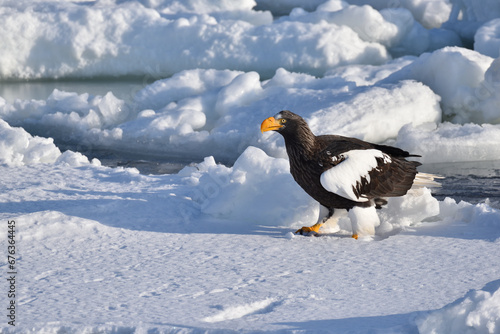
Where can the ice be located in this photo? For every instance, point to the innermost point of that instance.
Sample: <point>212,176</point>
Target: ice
<point>74,40</point>
<point>183,85</point>
<point>143,243</point>
<point>368,75</point>
<point>217,112</point>
<point>49,226</point>
<point>418,206</point>
<point>478,311</point>
<point>363,110</point>
<point>395,28</point>
<point>459,77</point>
<point>487,39</point>
<point>87,119</point>
<point>479,11</point>
<point>18,147</point>
<point>479,214</point>
<point>252,180</point>
<point>451,142</point>
<point>211,248</point>
<point>75,159</point>
<point>431,14</point>
<point>200,111</point>
<point>467,17</point>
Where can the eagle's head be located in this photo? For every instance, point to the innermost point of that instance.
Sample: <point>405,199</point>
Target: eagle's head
<point>284,122</point>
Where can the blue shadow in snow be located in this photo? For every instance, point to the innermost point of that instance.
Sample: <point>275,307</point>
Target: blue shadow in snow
<point>394,323</point>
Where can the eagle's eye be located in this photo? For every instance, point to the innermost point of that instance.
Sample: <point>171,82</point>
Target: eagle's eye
<point>282,121</point>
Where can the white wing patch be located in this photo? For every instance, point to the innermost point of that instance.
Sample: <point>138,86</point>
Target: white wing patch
<point>342,178</point>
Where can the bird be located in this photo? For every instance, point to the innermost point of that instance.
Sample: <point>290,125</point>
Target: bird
<point>346,174</point>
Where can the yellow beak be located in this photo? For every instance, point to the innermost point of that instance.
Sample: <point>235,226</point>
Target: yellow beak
<point>270,124</point>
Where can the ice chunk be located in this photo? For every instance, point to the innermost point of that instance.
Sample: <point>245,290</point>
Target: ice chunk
<point>182,85</point>
<point>449,142</point>
<point>258,189</point>
<point>478,215</point>
<point>487,39</point>
<point>378,113</point>
<point>431,14</point>
<point>459,76</point>
<point>18,147</point>
<point>467,16</point>
<point>74,159</point>
<point>243,90</point>
<point>81,40</point>
<point>409,210</point>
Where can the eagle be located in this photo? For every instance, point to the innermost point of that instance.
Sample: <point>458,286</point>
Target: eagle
<point>346,174</point>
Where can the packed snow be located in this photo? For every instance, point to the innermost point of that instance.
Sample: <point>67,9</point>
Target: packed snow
<point>210,248</point>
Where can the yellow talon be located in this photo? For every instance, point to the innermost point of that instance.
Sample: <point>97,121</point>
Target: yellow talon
<point>306,230</point>
<point>355,236</point>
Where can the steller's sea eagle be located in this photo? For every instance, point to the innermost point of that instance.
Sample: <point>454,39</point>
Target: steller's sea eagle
<point>346,173</point>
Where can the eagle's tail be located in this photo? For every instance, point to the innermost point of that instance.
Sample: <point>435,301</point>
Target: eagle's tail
<point>426,180</point>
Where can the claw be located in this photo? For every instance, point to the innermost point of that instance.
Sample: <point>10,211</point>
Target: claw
<point>355,236</point>
<point>309,230</point>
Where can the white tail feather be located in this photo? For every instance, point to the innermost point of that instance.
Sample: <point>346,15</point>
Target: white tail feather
<point>426,180</point>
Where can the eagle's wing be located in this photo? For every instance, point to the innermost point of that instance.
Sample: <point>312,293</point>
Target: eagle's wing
<point>362,174</point>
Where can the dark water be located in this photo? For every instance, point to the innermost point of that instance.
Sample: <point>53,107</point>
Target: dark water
<point>469,181</point>
<point>146,166</point>
<point>123,88</point>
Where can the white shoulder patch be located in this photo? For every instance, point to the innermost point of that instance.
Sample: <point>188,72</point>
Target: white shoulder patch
<point>342,178</point>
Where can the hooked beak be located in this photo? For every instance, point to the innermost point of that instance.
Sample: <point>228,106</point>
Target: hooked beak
<point>270,124</point>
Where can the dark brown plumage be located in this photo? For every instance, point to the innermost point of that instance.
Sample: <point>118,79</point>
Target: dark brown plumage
<point>330,161</point>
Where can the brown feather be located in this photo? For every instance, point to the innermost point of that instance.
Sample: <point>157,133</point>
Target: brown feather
<point>311,155</point>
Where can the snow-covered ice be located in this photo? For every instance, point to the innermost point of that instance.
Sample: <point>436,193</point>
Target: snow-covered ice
<point>104,249</point>
<point>477,311</point>
<point>210,248</point>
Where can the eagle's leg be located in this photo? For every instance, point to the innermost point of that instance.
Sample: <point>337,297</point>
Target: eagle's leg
<point>363,221</point>
<point>305,230</point>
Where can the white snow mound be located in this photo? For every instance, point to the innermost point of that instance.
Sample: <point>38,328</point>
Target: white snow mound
<point>477,312</point>
<point>18,147</point>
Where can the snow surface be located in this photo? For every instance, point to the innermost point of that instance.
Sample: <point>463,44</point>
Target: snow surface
<point>211,248</point>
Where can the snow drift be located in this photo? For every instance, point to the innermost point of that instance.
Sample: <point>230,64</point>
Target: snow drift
<point>478,312</point>
<point>211,248</point>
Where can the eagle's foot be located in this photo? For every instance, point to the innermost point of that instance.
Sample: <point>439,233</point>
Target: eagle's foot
<point>355,236</point>
<point>313,230</point>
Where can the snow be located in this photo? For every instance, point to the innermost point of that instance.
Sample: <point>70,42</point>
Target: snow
<point>108,39</point>
<point>476,312</point>
<point>211,248</point>
<point>451,142</point>
<point>431,14</point>
<point>467,16</point>
<point>18,147</point>
<point>487,39</point>
<point>211,112</point>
